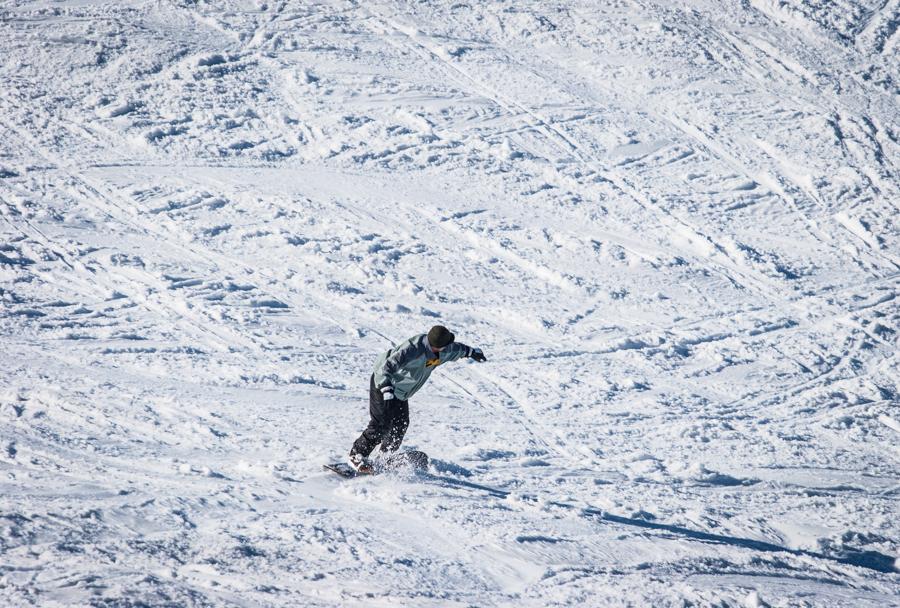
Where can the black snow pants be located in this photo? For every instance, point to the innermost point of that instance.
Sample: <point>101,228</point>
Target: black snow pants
<point>387,425</point>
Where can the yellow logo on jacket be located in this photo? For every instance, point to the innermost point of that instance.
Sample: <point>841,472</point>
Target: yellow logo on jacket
<point>433,362</point>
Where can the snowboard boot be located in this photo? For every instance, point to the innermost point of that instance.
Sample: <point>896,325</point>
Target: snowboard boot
<point>360,464</point>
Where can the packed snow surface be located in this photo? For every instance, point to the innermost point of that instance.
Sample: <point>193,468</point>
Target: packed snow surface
<point>672,226</point>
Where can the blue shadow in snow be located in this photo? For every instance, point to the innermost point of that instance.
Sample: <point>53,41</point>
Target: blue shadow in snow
<point>871,560</point>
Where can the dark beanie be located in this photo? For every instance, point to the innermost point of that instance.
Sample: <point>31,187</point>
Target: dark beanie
<point>439,336</point>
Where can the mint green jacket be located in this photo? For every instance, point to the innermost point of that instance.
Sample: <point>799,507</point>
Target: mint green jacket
<point>408,365</point>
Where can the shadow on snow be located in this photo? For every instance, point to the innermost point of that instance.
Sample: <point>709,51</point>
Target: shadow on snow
<point>871,560</point>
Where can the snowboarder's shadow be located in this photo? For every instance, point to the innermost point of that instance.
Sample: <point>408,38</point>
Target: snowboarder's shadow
<point>871,560</point>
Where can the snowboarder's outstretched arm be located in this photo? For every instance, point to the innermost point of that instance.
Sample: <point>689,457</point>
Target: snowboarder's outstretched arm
<point>457,350</point>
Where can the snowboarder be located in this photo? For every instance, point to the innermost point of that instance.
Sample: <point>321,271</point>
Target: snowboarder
<point>399,373</point>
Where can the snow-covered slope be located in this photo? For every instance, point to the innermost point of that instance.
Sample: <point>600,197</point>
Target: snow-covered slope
<point>672,227</point>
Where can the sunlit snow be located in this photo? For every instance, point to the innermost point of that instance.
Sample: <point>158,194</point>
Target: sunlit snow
<point>671,226</point>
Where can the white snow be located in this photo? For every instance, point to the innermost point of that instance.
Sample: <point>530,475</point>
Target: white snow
<point>671,226</point>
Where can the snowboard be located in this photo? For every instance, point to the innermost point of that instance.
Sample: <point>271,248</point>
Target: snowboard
<point>412,460</point>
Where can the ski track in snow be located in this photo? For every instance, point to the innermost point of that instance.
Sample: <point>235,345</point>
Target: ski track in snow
<point>671,226</point>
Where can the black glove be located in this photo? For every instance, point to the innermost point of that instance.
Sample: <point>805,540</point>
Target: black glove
<point>475,353</point>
